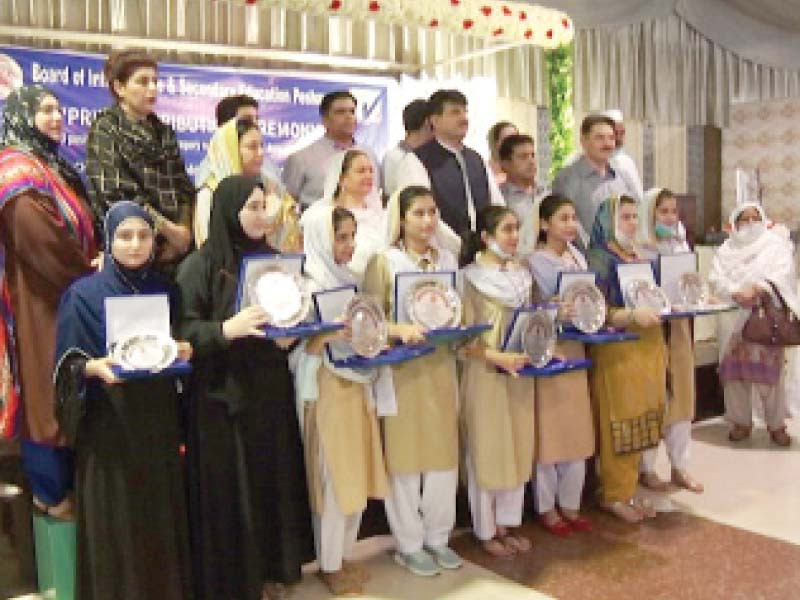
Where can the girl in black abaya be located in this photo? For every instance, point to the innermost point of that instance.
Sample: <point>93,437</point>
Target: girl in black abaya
<point>251,522</point>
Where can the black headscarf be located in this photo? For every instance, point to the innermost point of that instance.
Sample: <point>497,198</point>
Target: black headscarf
<point>227,241</point>
<point>19,131</point>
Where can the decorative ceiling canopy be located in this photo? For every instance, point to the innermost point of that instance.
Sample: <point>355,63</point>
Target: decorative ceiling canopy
<point>505,22</point>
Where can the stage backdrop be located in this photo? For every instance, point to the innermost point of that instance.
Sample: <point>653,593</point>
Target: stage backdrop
<point>288,101</point>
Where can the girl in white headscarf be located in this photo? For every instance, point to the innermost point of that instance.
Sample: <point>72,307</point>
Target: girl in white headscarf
<point>665,234</point>
<point>344,458</point>
<point>421,440</point>
<point>756,257</point>
<point>349,184</point>
<point>498,405</point>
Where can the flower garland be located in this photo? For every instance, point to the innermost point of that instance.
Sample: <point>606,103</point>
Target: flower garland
<point>506,22</point>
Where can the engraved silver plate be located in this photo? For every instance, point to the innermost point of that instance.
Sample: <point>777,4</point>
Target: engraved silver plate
<point>589,304</point>
<point>539,337</point>
<point>152,351</point>
<point>433,304</point>
<point>692,291</point>
<point>284,296</point>
<point>643,293</point>
<point>369,331</point>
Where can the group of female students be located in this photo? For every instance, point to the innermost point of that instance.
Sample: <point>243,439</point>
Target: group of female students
<point>283,448</point>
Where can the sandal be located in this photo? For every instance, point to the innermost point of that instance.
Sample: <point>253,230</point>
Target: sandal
<point>625,511</point>
<point>779,437</point>
<point>684,480</point>
<point>739,433</point>
<point>356,570</point>
<point>341,583</point>
<point>645,507</point>
<point>63,511</point>
<point>498,548</point>
<point>576,522</point>
<point>519,543</point>
<point>651,481</point>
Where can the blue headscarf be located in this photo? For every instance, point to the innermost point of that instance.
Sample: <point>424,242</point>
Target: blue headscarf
<point>81,314</point>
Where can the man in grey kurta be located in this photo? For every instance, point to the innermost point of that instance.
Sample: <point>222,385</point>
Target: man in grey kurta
<point>304,171</point>
<point>591,179</point>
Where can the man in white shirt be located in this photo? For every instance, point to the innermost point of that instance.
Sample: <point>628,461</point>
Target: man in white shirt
<point>517,154</point>
<point>418,132</point>
<point>620,160</point>
<point>304,171</point>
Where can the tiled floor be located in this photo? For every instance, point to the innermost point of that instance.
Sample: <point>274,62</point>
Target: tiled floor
<point>740,539</point>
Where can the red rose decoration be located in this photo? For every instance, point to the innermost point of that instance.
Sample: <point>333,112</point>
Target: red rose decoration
<point>455,2</point>
<point>565,23</point>
<point>507,11</point>
<point>468,23</point>
<point>335,4</point>
<point>498,31</point>
<point>549,34</point>
<point>528,34</point>
<point>486,10</point>
<point>374,6</point>
<point>434,23</point>
<point>523,16</point>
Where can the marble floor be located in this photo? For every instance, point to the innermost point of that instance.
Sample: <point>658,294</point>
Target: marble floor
<point>739,539</point>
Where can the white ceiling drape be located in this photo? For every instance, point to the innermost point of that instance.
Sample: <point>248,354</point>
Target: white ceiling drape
<point>682,62</point>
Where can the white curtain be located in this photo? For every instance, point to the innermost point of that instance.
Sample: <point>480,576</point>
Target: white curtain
<point>683,62</point>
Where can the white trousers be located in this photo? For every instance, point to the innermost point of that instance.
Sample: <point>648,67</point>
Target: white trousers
<point>421,509</point>
<point>739,396</point>
<point>677,439</point>
<point>334,533</point>
<point>561,482</point>
<point>491,509</point>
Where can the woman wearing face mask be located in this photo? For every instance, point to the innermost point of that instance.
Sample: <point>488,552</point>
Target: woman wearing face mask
<point>628,380</point>
<point>667,235</point>
<point>753,259</point>
<point>46,242</point>
<point>344,458</point>
<point>565,433</point>
<point>132,535</point>
<point>421,440</point>
<point>238,147</point>
<point>132,155</point>
<point>248,498</point>
<point>350,184</point>
<point>498,407</point>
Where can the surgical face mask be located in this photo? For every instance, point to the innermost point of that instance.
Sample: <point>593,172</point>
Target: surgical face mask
<point>495,248</point>
<point>666,232</point>
<point>750,232</point>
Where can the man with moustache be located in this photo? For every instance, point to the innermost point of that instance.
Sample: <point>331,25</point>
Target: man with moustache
<point>591,178</point>
<point>305,170</point>
<point>517,154</point>
<point>458,177</point>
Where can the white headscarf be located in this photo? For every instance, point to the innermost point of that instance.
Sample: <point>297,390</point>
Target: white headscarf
<point>320,265</point>
<point>759,256</point>
<point>674,245</point>
<point>371,220</point>
<point>324,271</point>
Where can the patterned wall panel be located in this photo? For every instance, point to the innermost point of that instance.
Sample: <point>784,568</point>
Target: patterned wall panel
<point>765,136</point>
